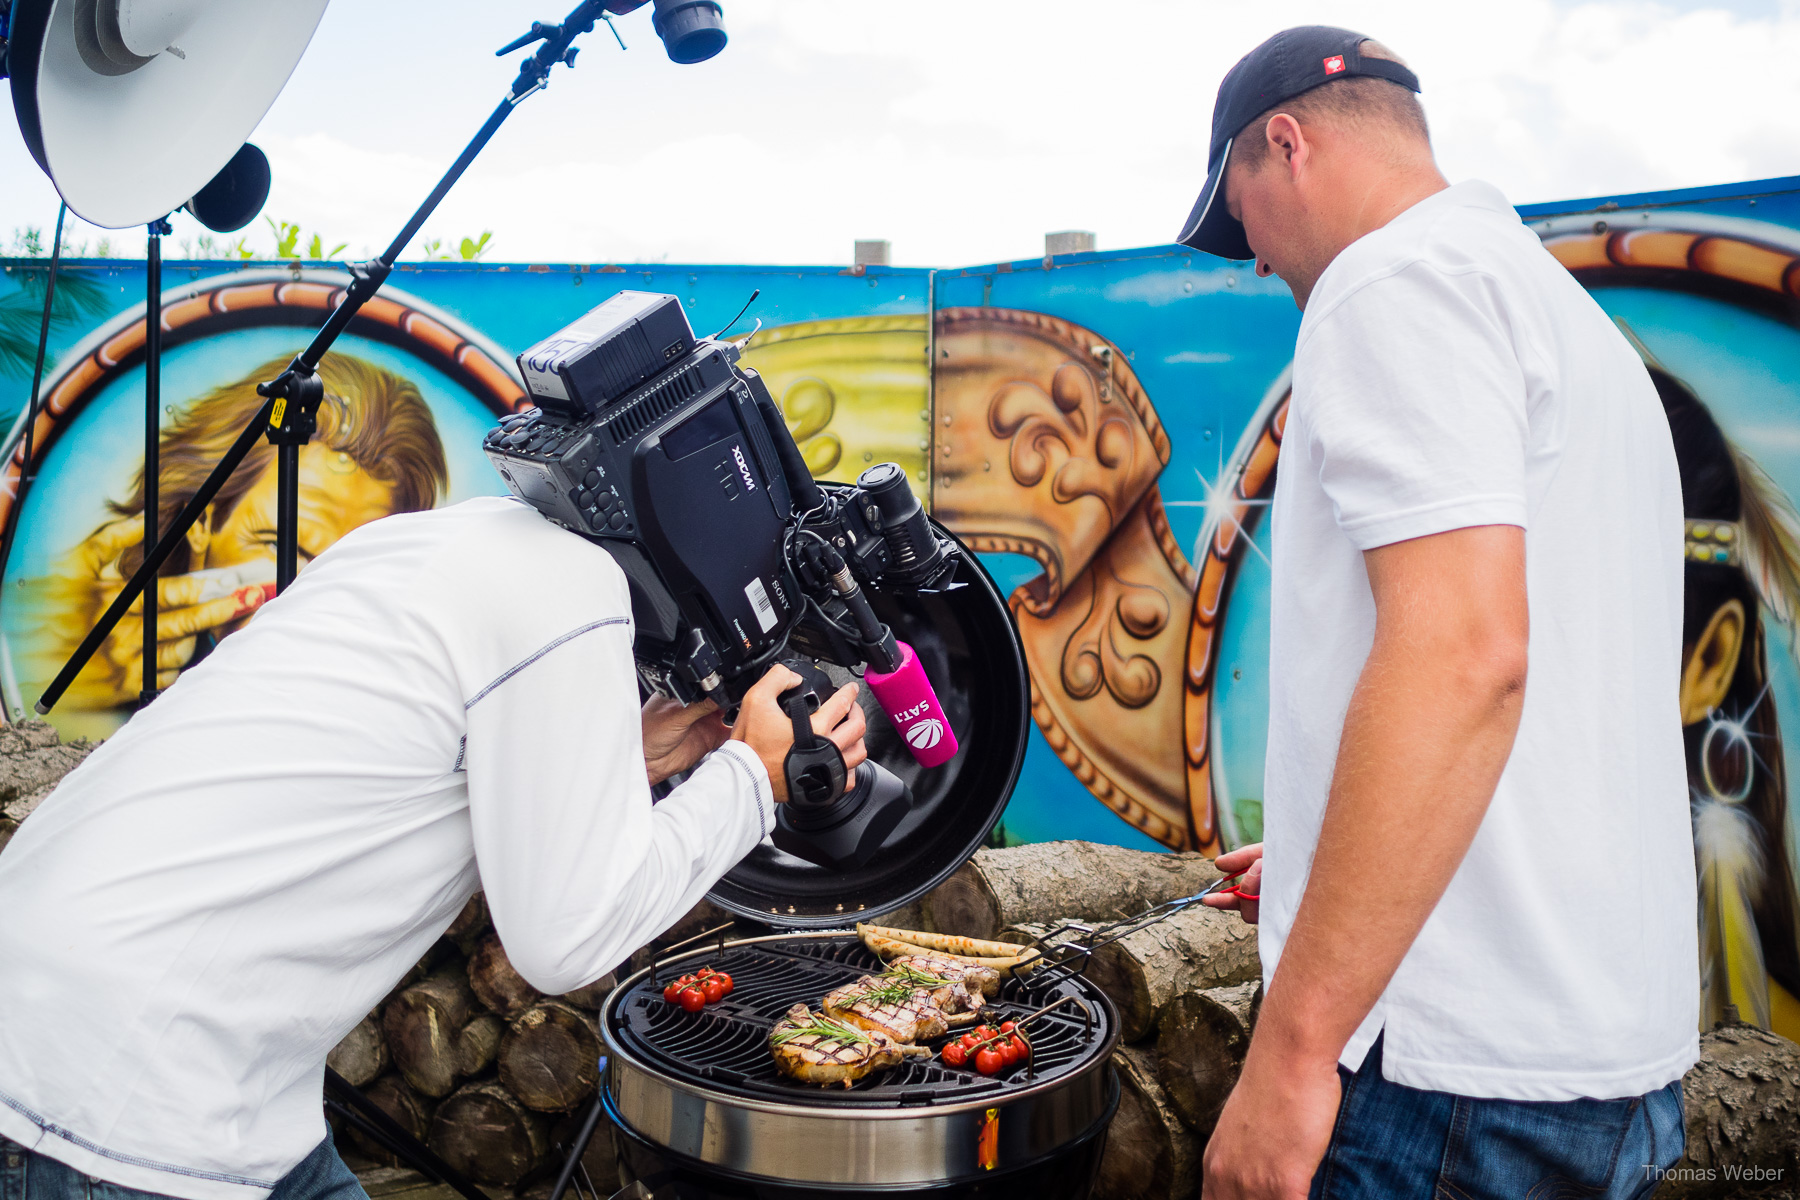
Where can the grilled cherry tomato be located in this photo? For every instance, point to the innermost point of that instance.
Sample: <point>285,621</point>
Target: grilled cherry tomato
<point>724,981</point>
<point>703,972</point>
<point>684,980</point>
<point>956,1054</point>
<point>984,1032</point>
<point>989,1060</point>
<point>1007,1026</point>
<point>1010,1052</point>
<point>967,1042</point>
<point>712,989</point>
<point>1024,1046</point>
<point>692,998</point>
<point>672,992</point>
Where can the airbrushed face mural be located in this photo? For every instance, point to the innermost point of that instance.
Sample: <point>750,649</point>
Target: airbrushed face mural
<point>1105,429</point>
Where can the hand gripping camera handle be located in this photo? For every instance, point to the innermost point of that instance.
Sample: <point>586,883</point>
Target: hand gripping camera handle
<point>906,696</point>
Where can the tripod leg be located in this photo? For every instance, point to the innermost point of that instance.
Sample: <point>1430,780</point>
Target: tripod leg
<point>287,515</point>
<point>152,439</point>
<point>586,1135</point>
<point>402,1143</point>
<point>155,558</point>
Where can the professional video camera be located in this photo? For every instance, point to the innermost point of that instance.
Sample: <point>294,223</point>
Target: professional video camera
<point>669,453</point>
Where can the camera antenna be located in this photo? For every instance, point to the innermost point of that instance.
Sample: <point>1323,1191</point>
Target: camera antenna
<point>289,413</point>
<point>726,328</point>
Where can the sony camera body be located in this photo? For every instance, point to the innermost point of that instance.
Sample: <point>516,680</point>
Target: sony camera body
<point>672,455</point>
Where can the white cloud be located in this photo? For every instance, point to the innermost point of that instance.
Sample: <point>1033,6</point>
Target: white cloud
<point>962,132</point>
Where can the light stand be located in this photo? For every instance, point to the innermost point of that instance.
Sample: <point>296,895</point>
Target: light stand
<point>289,414</point>
<point>152,435</point>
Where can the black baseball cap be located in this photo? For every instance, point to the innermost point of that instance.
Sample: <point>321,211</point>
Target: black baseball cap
<point>1293,61</point>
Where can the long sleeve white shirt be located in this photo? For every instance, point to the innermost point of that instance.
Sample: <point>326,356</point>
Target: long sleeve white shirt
<point>443,701</point>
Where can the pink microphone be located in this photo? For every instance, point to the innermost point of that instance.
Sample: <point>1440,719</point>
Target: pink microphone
<point>906,696</point>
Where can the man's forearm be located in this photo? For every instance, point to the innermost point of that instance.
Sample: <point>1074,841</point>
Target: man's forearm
<point>1426,736</point>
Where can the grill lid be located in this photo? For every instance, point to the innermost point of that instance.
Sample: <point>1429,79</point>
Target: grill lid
<point>965,639</point>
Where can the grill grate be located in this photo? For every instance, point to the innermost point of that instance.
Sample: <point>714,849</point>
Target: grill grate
<point>726,1045</point>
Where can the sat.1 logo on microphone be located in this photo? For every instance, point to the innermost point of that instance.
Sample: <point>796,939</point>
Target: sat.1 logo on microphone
<point>923,735</point>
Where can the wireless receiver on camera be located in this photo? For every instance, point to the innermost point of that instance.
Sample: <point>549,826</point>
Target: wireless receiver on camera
<point>665,450</point>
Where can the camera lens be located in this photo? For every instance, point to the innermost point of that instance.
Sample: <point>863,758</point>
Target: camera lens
<point>692,30</point>
<point>914,549</point>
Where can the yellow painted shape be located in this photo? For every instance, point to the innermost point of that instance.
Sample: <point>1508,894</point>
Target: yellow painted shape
<point>1784,1012</point>
<point>855,391</point>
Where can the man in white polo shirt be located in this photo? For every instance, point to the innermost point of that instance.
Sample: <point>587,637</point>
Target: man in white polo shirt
<point>1476,889</point>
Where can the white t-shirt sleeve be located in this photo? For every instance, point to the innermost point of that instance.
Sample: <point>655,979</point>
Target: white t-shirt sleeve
<point>579,867</point>
<point>1416,407</point>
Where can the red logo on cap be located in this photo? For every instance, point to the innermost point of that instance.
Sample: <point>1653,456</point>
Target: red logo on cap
<point>1334,64</point>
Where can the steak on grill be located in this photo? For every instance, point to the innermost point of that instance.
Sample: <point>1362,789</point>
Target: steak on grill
<point>982,980</point>
<point>886,1006</point>
<point>809,1049</point>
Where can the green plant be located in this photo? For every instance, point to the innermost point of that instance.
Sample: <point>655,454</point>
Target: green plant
<point>469,250</point>
<point>28,242</point>
<point>287,237</point>
<point>78,299</point>
<point>473,249</point>
<point>315,249</point>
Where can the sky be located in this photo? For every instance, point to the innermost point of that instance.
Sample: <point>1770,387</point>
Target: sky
<point>959,130</point>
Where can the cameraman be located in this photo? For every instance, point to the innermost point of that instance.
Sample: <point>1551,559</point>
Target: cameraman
<point>443,701</point>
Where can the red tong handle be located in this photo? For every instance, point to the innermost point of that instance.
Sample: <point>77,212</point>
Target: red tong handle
<point>1234,891</point>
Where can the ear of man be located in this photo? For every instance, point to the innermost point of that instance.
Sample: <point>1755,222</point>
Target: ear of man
<point>1382,115</point>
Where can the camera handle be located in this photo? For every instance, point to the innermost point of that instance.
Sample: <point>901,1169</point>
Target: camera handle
<point>814,767</point>
<point>292,398</point>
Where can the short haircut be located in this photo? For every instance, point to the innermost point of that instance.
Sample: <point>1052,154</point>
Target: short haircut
<point>1358,102</point>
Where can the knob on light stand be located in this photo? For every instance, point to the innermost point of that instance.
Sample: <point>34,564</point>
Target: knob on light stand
<point>288,414</point>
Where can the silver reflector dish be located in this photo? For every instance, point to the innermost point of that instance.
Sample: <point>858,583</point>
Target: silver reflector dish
<point>132,106</point>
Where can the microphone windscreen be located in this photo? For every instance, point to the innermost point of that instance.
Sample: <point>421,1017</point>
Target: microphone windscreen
<point>906,696</point>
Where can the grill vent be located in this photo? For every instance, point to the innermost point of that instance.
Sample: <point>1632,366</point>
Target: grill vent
<point>653,404</point>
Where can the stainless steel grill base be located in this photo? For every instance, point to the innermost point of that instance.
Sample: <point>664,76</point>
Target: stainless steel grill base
<point>1068,1174</point>
<point>811,1141</point>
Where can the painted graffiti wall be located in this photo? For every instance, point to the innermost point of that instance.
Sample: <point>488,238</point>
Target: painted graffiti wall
<point>1103,428</point>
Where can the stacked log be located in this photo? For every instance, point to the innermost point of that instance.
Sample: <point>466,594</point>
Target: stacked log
<point>1201,1039</point>
<point>475,1062</point>
<point>493,1075</point>
<point>1148,1153</point>
<point>1743,1117</point>
<point>32,761</point>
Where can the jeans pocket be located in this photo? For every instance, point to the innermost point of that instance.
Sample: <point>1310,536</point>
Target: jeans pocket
<point>1540,1150</point>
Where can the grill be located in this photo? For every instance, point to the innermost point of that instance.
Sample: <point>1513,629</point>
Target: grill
<point>704,1111</point>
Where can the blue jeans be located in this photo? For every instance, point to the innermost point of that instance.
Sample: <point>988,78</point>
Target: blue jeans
<point>28,1175</point>
<point>1400,1143</point>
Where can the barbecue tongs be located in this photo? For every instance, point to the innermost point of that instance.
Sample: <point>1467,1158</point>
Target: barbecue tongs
<point>1068,949</point>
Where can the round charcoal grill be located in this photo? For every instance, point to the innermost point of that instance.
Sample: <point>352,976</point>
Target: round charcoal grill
<point>704,1113</point>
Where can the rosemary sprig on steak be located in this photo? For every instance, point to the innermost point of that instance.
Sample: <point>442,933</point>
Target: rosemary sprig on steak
<point>822,1027</point>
